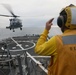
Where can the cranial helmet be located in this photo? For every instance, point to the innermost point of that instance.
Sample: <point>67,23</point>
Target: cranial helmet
<point>67,17</point>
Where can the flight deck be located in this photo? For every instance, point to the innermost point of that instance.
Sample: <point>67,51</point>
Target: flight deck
<point>17,57</point>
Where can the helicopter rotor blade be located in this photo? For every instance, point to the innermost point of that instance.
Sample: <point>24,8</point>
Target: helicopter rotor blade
<point>6,15</point>
<point>8,7</point>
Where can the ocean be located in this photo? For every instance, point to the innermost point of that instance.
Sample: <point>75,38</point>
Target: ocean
<point>6,33</point>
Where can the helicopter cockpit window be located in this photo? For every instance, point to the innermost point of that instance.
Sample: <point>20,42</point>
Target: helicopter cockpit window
<point>10,19</point>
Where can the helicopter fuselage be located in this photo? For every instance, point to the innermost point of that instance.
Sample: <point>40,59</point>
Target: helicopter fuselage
<point>15,23</point>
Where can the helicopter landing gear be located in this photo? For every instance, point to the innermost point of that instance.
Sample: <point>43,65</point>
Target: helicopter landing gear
<point>20,28</point>
<point>10,28</point>
<point>13,30</point>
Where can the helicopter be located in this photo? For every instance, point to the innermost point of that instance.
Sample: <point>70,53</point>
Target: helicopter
<point>15,22</point>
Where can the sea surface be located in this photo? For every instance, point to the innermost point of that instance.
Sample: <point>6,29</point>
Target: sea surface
<point>6,33</point>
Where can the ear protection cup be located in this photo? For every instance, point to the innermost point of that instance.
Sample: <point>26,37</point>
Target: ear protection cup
<point>61,20</point>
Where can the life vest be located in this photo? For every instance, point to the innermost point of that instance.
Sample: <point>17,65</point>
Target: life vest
<point>65,63</point>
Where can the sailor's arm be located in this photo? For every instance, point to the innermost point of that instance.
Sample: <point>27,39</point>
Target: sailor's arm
<point>44,47</point>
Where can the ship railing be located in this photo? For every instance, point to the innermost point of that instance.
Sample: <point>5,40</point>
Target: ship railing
<point>36,63</point>
<point>33,58</point>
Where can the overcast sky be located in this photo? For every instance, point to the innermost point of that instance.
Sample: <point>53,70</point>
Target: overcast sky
<point>33,12</point>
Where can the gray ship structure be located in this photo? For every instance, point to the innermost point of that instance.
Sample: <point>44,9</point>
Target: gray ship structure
<point>17,56</point>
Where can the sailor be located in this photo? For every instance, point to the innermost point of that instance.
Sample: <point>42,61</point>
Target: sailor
<point>61,48</point>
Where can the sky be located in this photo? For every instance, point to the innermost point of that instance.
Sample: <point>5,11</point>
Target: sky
<point>33,13</point>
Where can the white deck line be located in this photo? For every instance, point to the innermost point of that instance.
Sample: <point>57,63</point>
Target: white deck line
<point>22,49</point>
<point>37,62</point>
<point>28,56</point>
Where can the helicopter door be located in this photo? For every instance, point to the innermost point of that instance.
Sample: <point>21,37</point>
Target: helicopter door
<point>11,22</point>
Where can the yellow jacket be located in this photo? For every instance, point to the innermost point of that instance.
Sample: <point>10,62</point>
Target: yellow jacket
<point>51,47</point>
